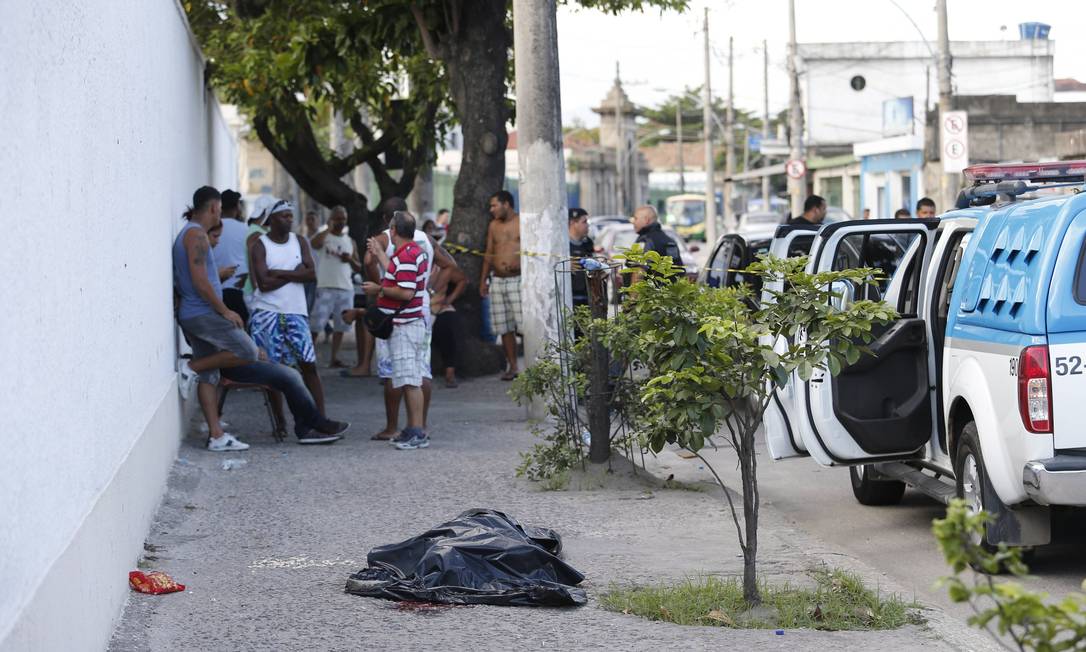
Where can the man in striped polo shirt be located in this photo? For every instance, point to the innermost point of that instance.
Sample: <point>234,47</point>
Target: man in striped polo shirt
<point>400,294</point>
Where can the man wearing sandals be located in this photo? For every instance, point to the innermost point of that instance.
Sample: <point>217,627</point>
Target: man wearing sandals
<point>437,258</point>
<point>500,276</point>
<point>401,295</point>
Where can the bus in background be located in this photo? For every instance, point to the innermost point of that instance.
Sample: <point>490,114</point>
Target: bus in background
<point>686,214</point>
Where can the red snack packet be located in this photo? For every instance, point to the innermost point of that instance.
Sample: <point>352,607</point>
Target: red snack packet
<point>153,583</point>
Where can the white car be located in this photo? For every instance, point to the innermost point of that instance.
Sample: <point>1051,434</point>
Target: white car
<point>597,223</point>
<point>756,226</point>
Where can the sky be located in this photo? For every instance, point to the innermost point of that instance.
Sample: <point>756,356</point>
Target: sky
<point>659,54</point>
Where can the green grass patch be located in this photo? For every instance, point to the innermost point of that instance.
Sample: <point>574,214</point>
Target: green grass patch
<point>559,481</point>
<point>837,601</point>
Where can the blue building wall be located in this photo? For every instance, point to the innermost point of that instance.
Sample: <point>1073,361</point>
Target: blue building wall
<point>907,163</point>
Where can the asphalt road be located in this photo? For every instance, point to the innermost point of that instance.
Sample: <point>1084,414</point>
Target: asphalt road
<point>896,540</point>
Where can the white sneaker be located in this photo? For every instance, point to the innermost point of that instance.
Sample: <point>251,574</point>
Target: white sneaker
<point>222,424</point>
<point>186,379</point>
<point>227,442</point>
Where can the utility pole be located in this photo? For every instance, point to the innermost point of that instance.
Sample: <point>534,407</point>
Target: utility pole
<point>765,121</point>
<point>746,147</point>
<point>543,216</point>
<point>797,188</point>
<point>679,144</point>
<point>707,136</point>
<point>947,183</point>
<point>620,176</point>
<point>729,142</point>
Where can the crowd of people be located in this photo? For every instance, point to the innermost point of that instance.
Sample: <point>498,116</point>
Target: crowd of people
<point>254,296</point>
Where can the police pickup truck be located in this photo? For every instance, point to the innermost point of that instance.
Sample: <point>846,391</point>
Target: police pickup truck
<point>978,389</point>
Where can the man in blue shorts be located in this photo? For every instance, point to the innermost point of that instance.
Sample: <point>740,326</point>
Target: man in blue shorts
<point>279,320</point>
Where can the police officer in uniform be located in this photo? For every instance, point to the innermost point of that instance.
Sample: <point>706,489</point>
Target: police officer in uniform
<point>580,246</point>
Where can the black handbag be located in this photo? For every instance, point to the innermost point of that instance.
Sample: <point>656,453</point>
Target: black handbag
<point>379,323</point>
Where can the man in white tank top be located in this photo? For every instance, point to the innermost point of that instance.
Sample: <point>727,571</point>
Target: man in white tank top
<point>440,258</point>
<point>279,323</point>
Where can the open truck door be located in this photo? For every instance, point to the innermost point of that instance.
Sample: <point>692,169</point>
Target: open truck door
<point>881,407</point>
<point>782,429</point>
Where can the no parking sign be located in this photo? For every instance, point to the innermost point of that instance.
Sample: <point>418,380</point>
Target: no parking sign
<point>955,141</point>
<point>795,168</point>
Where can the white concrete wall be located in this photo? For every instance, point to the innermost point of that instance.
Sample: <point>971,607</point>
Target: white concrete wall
<point>107,134</point>
<point>836,114</point>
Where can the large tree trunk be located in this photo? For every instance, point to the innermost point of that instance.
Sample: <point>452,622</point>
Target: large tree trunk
<point>476,60</point>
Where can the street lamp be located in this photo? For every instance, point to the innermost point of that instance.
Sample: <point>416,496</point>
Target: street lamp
<point>637,162</point>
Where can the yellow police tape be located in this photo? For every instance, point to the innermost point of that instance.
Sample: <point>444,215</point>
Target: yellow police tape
<point>476,252</point>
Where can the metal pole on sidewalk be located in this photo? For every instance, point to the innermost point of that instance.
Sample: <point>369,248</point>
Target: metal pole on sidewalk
<point>543,212</point>
<point>599,414</point>
<point>765,121</point>
<point>729,141</point>
<point>707,135</point>
<point>679,145</point>
<point>797,186</point>
<point>620,150</point>
<point>946,182</point>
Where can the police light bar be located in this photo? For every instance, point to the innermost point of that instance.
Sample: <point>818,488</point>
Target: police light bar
<point>1055,172</point>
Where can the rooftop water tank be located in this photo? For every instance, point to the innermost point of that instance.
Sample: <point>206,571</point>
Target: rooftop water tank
<point>1029,31</point>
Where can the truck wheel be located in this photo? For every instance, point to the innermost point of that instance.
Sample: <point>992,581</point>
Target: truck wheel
<point>971,480</point>
<point>970,476</point>
<point>874,492</point>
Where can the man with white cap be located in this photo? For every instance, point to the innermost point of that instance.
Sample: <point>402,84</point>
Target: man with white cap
<point>279,322</point>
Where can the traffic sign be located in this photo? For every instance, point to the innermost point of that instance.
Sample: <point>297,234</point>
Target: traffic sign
<point>795,168</point>
<point>955,141</point>
<point>773,147</point>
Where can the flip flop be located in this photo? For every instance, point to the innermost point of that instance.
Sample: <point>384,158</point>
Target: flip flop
<point>346,373</point>
<point>507,376</point>
<point>336,364</point>
<point>378,437</point>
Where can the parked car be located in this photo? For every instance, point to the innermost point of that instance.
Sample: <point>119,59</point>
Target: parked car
<point>753,226</point>
<point>975,390</point>
<point>835,214</point>
<point>597,223</point>
<point>733,253</point>
<point>616,238</point>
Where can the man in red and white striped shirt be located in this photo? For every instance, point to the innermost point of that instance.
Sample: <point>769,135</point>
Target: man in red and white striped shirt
<point>400,294</point>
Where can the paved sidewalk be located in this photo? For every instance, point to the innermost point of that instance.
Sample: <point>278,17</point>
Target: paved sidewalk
<point>265,549</point>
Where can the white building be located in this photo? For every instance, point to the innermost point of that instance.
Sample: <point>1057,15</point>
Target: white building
<point>110,128</point>
<point>844,85</point>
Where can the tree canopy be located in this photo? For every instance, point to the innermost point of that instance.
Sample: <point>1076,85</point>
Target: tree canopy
<point>288,64</point>
<point>400,71</point>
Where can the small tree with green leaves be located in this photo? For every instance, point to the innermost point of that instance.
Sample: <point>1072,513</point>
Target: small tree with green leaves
<point>712,361</point>
<point>1005,608</point>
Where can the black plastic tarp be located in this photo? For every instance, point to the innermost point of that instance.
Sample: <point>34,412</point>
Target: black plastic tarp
<point>480,557</point>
